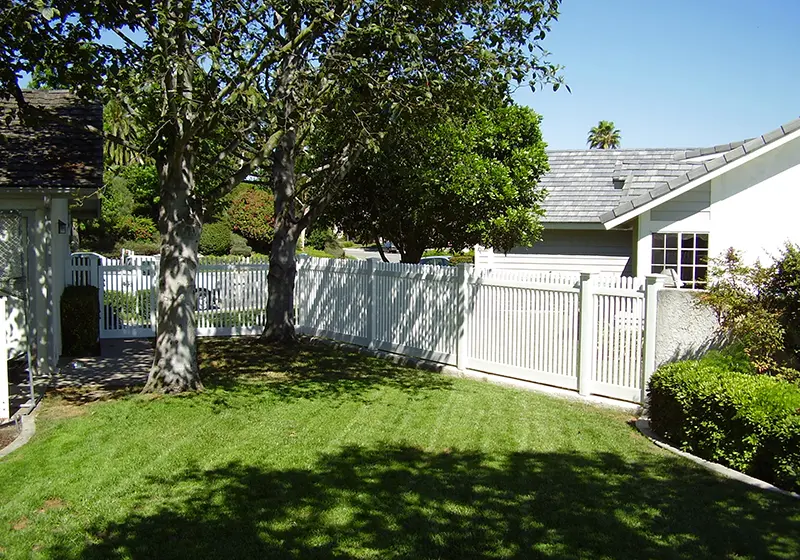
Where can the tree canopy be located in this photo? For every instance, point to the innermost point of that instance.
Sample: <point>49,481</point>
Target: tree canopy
<point>604,136</point>
<point>449,180</point>
<point>223,89</point>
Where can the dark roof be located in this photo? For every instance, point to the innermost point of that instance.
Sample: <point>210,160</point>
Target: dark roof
<point>701,169</point>
<point>584,184</point>
<point>50,154</point>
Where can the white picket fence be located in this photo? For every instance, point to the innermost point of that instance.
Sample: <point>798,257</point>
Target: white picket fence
<point>581,331</point>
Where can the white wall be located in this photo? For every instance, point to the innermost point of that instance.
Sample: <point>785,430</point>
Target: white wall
<point>754,208</point>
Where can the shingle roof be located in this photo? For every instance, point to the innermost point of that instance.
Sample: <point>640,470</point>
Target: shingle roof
<point>584,184</point>
<point>51,154</point>
<point>701,169</point>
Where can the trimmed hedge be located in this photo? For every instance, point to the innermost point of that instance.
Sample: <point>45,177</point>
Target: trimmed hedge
<point>215,239</point>
<point>80,321</point>
<point>716,408</point>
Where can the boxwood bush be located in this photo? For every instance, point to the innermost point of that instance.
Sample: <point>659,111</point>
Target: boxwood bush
<point>80,321</point>
<point>718,409</point>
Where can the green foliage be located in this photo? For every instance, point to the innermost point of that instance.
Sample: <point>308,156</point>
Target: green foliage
<point>463,258</point>
<point>450,180</point>
<point>604,136</point>
<point>128,307</point>
<point>116,204</point>
<point>138,247</point>
<point>215,239</point>
<point>251,214</point>
<point>320,238</point>
<point>142,182</point>
<point>783,289</point>
<point>717,409</point>
<point>80,321</point>
<point>239,246</point>
<point>138,229</point>
<point>754,306</point>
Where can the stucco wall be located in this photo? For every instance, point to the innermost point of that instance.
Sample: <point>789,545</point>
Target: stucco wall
<point>754,208</point>
<point>684,329</point>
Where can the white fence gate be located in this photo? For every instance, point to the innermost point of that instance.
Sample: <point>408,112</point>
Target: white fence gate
<point>586,332</point>
<point>231,298</point>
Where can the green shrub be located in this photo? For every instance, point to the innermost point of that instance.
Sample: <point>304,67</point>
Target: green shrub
<point>138,228</point>
<point>783,289</point>
<point>215,239</point>
<point>239,246</point>
<point>138,247</point>
<point>321,238</point>
<point>463,258</point>
<point>128,307</point>
<point>753,305</point>
<point>718,409</point>
<point>252,215</point>
<point>437,253</point>
<point>80,321</point>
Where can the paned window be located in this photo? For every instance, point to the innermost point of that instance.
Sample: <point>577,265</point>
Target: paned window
<point>684,253</point>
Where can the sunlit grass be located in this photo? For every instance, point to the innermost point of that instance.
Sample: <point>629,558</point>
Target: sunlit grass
<point>316,453</point>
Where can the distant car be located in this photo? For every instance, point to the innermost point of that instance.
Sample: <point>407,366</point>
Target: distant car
<point>441,260</point>
<point>389,247</point>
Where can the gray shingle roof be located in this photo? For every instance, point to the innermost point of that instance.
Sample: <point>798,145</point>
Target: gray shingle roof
<point>51,154</point>
<point>584,184</point>
<point>701,169</point>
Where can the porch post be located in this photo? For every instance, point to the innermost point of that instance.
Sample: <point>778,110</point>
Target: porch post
<point>5,406</point>
<point>586,333</point>
<point>653,283</point>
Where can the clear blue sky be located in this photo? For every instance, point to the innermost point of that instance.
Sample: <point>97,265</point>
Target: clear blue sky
<point>672,73</point>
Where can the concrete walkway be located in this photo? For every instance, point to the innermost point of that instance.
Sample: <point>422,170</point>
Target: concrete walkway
<point>121,363</point>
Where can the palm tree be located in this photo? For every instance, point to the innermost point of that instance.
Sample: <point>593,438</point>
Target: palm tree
<point>604,136</point>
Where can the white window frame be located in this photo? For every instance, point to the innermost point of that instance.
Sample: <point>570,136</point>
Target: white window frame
<point>698,265</point>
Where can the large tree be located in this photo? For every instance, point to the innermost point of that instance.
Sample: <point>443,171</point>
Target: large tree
<point>253,78</point>
<point>604,136</point>
<point>449,180</point>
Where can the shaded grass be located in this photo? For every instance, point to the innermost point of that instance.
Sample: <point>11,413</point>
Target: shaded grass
<point>312,452</point>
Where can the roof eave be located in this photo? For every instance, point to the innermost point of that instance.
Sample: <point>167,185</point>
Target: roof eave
<point>702,174</point>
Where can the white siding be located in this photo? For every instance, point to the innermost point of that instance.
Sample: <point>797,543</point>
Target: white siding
<point>567,251</point>
<point>753,208</point>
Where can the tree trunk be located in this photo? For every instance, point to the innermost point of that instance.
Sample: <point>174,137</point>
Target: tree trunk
<point>411,253</point>
<point>174,367</point>
<point>282,263</point>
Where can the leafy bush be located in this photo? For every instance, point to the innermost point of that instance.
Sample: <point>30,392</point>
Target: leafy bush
<point>321,238</point>
<point>138,228</point>
<point>80,321</point>
<point>754,307</point>
<point>251,214</point>
<point>129,307</point>
<point>239,246</point>
<point>783,288</point>
<point>116,204</point>
<point>461,258</point>
<point>215,239</point>
<point>138,247</point>
<point>718,409</point>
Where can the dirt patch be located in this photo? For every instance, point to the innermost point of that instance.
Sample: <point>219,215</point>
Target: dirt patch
<point>20,524</point>
<point>52,503</point>
<point>7,435</point>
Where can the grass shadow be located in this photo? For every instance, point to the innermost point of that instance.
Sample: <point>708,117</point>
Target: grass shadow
<point>402,502</point>
<point>305,371</point>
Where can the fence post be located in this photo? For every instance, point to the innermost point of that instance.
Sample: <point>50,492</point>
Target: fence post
<point>5,407</point>
<point>585,333</point>
<point>372,300</point>
<point>653,283</point>
<point>463,315</point>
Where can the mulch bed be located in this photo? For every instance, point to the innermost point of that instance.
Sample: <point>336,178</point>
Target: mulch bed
<point>7,435</point>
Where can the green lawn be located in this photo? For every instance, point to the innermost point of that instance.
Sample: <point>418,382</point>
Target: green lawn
<point>316,453</point>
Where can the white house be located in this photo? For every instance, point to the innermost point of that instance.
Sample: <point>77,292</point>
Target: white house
<point>636,212</point>
<point>46,167</point>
